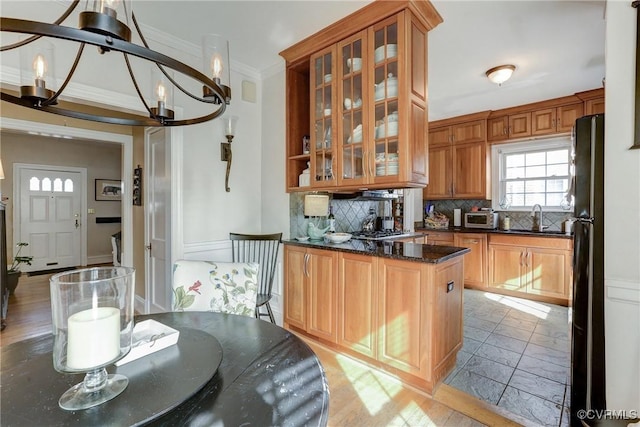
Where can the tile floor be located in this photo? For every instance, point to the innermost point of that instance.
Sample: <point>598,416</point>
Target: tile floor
<point>516,355</point>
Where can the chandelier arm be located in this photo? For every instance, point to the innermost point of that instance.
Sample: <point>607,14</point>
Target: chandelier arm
<point>33,38</point>
<point>135,120</point>
<point>183,90</point>
<point>54,98</point>
<point>109,43</point>
<point>135,85</point>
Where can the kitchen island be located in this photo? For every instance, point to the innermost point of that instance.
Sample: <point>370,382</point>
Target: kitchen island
<point>397,306</point>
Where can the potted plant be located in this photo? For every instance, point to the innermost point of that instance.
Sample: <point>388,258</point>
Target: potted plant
<point>13,273</point>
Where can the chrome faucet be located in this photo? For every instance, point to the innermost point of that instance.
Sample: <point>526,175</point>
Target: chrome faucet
<point>537,221</point>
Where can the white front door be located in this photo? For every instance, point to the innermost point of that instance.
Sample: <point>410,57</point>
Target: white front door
<point>50,212</point>
<point>158,224</point>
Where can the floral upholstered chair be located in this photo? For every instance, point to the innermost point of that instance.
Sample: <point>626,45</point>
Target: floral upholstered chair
<point>225,287</point>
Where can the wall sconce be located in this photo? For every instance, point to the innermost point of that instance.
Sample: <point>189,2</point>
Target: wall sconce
<point>500,74</point>
<point>230,123</point>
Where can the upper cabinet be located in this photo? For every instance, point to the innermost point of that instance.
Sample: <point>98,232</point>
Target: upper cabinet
<point>458,159</point>
<point>550,117</point>
<point>359,89</point>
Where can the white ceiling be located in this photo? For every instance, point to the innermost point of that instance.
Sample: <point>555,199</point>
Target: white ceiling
<point>556,45</point>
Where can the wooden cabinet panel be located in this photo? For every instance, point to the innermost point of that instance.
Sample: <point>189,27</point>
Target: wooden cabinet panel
<point>506,268</point>
<point>594,106</point>
<point>462,133</point>
<point>567,115</point>
<point>470,180</point>
<point>440,173</point>
<point>439,136</point>
<point>520,125</point>
<point>457,169</point>
<point>322,299</point>
<point>447,329</point>
<point>498,128</point>
<point>550,272</point>
<point>469,132</point>
<point>443,238</point>
<point>475,262</point>
<point>535,266</point>
<point>543,121</point>
<point>401,304</point>
<point>357,300</point>
<point>506,127</point>
<point>311,291</point>
<point>295,305</point>
<point>555,120</point>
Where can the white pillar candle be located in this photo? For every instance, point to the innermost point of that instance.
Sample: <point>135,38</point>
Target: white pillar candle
<point>93,337</point>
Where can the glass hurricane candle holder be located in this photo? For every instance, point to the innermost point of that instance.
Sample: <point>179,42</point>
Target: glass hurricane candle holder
<point>92,313</point>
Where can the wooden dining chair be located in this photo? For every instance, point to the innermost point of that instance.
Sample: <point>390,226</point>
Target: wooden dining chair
<point>263,249</point>
<point>225,287</point>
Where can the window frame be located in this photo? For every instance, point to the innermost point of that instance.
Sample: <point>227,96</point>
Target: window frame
<point>498,153</point>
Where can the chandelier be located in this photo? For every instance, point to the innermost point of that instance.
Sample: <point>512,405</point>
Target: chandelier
<point>105,24</point>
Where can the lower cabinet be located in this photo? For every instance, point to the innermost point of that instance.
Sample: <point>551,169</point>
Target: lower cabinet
<point>536,266</point>
<point>311,293</point>
<point>357,301</point>
<point>402,304</point>
<point>475,262</point>
<point>402,316</point>
<point>443,238</point>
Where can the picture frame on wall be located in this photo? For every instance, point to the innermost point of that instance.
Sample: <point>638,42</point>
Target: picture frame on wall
<point>108,190</point>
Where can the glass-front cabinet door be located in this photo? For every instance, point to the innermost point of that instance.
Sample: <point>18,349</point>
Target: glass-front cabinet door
<point>386,90</point>
<point>322,113</point>
<point>353,132</point>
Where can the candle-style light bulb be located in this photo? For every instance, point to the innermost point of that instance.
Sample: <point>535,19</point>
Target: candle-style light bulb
<point>161,93</point>
<point>40,69</point>
<point>217,67</point>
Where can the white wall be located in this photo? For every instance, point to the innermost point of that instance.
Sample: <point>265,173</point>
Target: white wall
<point>622,213</point>
<point>274,199</point>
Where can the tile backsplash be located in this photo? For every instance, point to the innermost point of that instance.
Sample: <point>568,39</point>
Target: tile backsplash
<point>519,219</point>
<point>349,214</point>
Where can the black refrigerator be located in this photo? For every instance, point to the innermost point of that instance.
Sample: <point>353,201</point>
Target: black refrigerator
<point>587,327</point>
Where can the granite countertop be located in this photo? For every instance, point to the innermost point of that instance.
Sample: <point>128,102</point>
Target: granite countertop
<point>388,249</point>
<point>514,232</point>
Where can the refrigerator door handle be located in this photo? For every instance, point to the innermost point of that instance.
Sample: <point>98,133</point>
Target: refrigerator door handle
<point>585,220</point>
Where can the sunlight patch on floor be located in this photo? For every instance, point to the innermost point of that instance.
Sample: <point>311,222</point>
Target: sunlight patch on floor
<point>539,310</point>
<point>374,390</point>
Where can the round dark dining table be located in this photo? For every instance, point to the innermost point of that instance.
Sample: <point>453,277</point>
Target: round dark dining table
<point>266,377</point>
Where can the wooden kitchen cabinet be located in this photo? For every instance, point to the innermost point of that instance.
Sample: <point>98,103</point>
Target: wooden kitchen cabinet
<point>461,133</point>
<point>504,127</point>
<point>374,135</point>
<point>311,291</point>
<point>458,158</point>
<point>442,238</point>
<point>458,171</point>
<point>402,316</point>
<point>357,302</point>
<point>555,120</point>
<point>593,101</point>
<point>475,262</point>
<point>536,266</point>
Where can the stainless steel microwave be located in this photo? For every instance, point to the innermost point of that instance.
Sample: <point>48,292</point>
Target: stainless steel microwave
<point>481,219</point>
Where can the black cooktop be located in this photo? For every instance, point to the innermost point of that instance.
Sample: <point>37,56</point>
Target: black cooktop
<point>375,235</point>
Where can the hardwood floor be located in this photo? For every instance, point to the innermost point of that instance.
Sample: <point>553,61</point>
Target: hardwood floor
<point>360,395</point>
